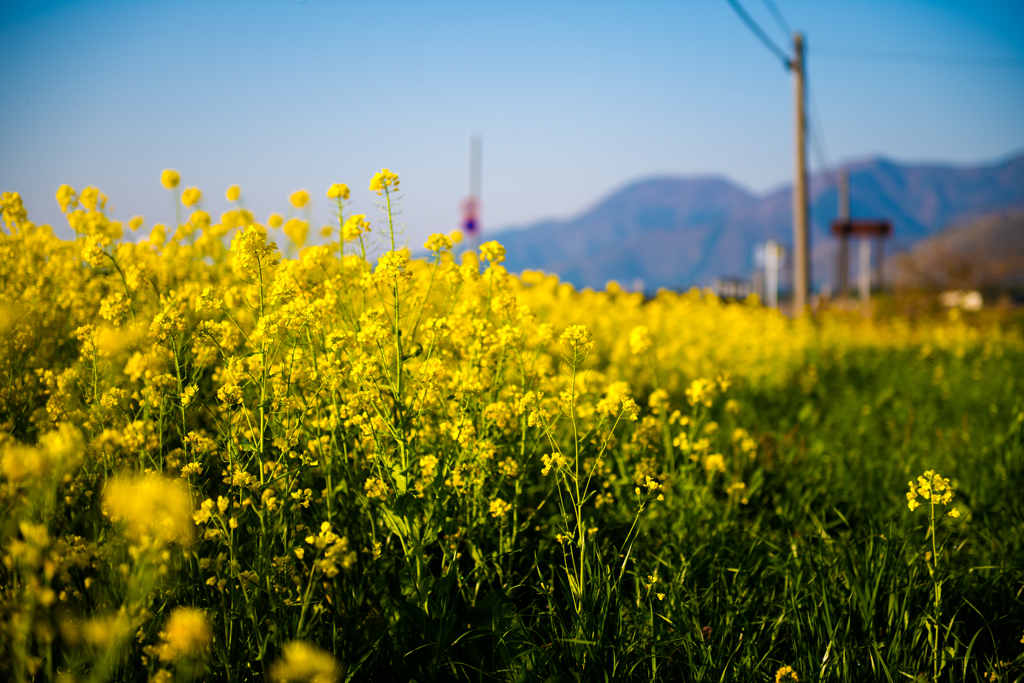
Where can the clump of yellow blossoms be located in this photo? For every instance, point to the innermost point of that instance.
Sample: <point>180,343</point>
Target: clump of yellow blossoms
<point>338,191</point>
<point>492,251</point>
<point>152,507</point>
<point>639,340</point>
<point>191,196</point>
<point>786,675</point>
<point>336,416</point>
<point>354,226</point>
<point>170,179</point>
<point>384,181</point>
<point>933,489</point>
<point>186,634</point>
<point>299,198</point>
<point>303,663</point>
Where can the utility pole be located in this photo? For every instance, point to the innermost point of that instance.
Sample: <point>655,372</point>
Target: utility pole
<point>801,241</point>
<point>844,239</point>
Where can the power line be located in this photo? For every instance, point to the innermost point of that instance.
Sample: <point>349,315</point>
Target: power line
<point>759,32</point>
<point>920,57</point>
<point>779,19</point>
<point>818,137</point>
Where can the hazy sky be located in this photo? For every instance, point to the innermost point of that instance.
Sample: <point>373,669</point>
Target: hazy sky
<point>571,99</point>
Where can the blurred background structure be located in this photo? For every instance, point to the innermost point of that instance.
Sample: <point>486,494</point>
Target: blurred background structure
<point>922,103</point>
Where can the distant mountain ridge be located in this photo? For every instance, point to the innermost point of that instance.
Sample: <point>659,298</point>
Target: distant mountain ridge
<point>984,253</point>
<point>679,232</point>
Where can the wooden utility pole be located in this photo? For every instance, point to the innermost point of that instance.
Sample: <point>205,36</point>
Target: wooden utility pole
<point>801,241</point>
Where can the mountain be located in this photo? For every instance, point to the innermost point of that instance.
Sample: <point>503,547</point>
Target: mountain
<point>679,232</point>
<point>984,253</point>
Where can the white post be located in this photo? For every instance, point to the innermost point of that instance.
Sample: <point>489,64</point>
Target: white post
<point>771,273</point>
<point>864,269</point>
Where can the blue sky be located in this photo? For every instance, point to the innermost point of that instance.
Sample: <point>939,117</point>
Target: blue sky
<point>572,99</point>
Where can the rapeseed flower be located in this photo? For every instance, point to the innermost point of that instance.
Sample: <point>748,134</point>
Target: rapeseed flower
<point>170,179</point>
<point>303,663</point>
<point>299,198</point>
<point>89,197</point>
<point>492,251</point>
<point>338,191</point>
<point>152,508</point>
<point>438,243</point>
<point>186,634</point>
<point>297,230</point>
<point>65,197</point>
<point>639,340</point>
<point>933,489</point>
<point>786,675</point>
<point>354,226</point>
<point>191,196</point>
<point>384,181</point>
<point>499,508</point>
<point>233,193</point>
<point>578,338</point>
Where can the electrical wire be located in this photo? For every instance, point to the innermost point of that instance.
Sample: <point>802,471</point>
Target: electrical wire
<point>817,135</point>
<point>759,32</point>
<point>779,18</point>
<point>920,57</point>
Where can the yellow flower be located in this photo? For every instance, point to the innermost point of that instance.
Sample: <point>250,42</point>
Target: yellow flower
<point>56,451</point>
<point>437,243</point>
<point>499,508</point>
<point>786,675</point>
<point>135,223</point>
<point>337,191</point>
<point>233,193</point>
<point>186,634</point>
<point>200,220</point>
<point>299,198</point>
<point>492,251</point>
<point>297,230</point>
<point>392,266</point>
<point>578,338</point>
<point>88,197</point>
<point>158,235</point>
<point>65,196</point>
<point>275,220</point>
<point>151,506</point>
<point>170,179</point>
<point>384,181</point>
<point>304,663</point>
<point>639,340</point>
<point>456,236</point>
<point>354,226</point>
<point>700,391</point>
<point>933,489</point>
<point>375,488</point>
<point>714,463</point>
<point>191,196</point>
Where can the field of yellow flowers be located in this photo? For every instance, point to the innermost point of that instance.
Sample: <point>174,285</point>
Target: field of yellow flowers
<point>229,456</point>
